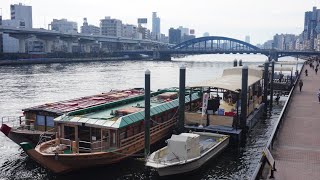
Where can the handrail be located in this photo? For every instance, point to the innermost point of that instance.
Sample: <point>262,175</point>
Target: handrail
<point>276,129</point>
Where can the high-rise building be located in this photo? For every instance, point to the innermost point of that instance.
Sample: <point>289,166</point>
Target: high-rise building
<point>174,36</point>
<point>184,31</point>
<point>311,27</point>
<point>111,27</point>
<point>247,39</point>
<point>22,13</point>
<point>64,26</point>
<point>155,26</point>
<point>89,29</point>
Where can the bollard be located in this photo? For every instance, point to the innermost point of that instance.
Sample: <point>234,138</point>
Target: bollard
<point>244,97</point>
<point>240,62</point>
<point>147,114</point>
<point>182,92</point>
<point>235,63</point>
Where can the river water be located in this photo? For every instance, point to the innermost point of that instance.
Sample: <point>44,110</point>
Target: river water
<point>29,85</point>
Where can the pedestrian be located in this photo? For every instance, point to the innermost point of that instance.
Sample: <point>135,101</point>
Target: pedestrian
<point>306,71</point>
<point>300,84</point>
<point>316,70</point>
<point>319,95</point>
<point>278,98</point>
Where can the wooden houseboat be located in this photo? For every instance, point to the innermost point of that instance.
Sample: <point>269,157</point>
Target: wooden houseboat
<point>222,113</point>
<point>107,133</point>
<point>38,120</point>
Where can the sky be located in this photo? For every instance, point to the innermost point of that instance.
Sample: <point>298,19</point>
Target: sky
<point>260,19</point>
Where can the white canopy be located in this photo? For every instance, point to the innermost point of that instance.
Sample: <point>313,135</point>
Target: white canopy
<point>232,79</point>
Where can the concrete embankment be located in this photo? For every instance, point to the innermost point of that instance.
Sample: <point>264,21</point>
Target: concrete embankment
<point>59,60</point>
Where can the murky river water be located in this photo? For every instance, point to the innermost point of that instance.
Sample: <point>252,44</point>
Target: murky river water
<point>28,85</point>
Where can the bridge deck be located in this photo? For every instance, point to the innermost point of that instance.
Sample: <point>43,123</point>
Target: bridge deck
<point>297,150</point>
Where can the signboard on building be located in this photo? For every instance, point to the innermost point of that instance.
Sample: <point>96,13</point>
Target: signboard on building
<point>192,31</point>
<point>142,20</point>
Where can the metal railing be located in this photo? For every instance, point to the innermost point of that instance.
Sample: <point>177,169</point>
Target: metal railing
<point>262,163</point>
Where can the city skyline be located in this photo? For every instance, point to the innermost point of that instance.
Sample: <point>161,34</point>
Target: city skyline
<point>234,19</point>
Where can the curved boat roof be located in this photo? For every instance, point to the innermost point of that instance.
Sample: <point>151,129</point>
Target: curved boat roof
<point>231,79</point>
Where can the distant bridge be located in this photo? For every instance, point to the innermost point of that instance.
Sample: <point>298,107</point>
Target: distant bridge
<point>216,45</point>
<point>49,35</point>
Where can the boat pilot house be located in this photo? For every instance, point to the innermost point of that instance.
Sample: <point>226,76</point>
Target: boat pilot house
<point>222,98</point>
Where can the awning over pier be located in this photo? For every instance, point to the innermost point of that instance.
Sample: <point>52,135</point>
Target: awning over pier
<point>231,79</point>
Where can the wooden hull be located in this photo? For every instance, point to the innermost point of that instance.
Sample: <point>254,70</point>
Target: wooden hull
<point>69,162</point>
<point>194,165</point>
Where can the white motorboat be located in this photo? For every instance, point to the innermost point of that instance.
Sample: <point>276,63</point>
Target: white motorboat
<point>186,152</point>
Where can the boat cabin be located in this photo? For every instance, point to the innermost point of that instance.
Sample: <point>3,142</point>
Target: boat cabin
<point>221,101</point>
<point>41,117</point>
<point>119,124</point>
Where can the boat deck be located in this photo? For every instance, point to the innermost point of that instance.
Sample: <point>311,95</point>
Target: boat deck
<point>297,149</point>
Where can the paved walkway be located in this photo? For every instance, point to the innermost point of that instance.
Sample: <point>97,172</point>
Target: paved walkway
<point>297,149</point>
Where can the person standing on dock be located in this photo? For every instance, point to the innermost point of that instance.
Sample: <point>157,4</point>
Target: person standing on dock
<point>316,70</point>
<point>306,71</point>
<point>318,95</point>
<point>300,84</point>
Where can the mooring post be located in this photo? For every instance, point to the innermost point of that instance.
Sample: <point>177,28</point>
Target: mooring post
<point>271,88</point>
<point>265,86</point>
<point>235,63</point>
<point>244,97</point>
<point>240,62</point>
<point>147,114</point>
<point>182,92</point>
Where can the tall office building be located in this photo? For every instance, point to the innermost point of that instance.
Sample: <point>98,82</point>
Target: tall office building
<point>23,14</point>
<point>247,39</point>
<point>174,36</point>
<point>89,29</point>
<point>111,27</point>
<point>155,26</point>
<point>64,26</point>
<point>311,27</point>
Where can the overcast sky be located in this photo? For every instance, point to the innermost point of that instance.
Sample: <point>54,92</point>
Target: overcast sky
<point>260,19</point>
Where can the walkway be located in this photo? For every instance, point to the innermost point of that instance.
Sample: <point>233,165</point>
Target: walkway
<point>297,149</point>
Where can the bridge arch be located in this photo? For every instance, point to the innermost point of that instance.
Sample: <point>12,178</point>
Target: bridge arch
<point>216,43</point>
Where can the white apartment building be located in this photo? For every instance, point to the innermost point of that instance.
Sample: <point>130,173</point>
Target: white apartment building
<point>23,14</point>
<point>130,31</point>
<point>111,27</point>
<point>89,29</point>
<point>64,26</point>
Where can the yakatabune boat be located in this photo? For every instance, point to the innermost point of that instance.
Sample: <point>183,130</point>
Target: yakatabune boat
<point>38,120</point>
<point>107,133</point>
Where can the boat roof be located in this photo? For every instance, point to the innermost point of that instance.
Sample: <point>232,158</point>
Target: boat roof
<point>104,119</point>
<point>87,101</point>
<point>231,79</point>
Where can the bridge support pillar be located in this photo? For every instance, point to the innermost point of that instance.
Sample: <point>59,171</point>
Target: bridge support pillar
<point>22,41</point>
<point>156,55</point>
<point>86,48</point>
<point>69,48</point>
<point>48,46</point>
<point>22,45</point>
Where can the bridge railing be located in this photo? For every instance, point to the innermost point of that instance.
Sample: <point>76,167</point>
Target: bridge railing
<point>258,171</point>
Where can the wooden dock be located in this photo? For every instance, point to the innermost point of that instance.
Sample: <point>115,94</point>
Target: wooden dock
<point>297,148</point>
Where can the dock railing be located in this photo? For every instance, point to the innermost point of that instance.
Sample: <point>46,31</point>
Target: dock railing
<point>258,171</point>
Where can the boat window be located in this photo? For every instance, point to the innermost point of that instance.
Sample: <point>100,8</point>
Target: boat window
<point>40,120</point>
<point>50,122</point>
<point>84,133</point>
<point>96,134</point>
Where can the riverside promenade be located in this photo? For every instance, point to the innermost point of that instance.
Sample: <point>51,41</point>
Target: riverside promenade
<point>297,149</point>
